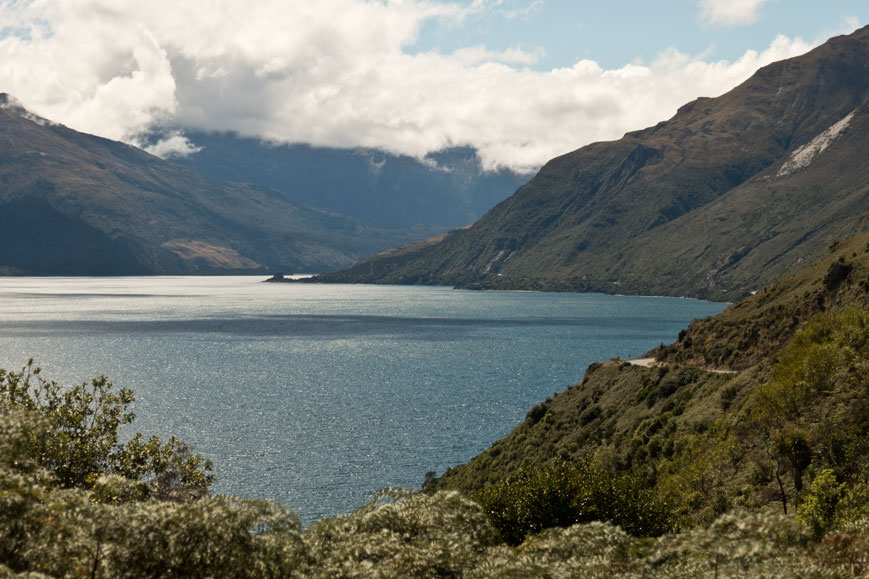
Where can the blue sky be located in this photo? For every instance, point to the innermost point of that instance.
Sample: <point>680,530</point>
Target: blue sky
<point>621,32</point>
<point>520,80</point>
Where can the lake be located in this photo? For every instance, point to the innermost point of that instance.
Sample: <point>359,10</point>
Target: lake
<point>318,396</point>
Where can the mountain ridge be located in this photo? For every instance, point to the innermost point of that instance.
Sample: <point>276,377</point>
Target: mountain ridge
<point>76,204</point>
<point>612,216</point>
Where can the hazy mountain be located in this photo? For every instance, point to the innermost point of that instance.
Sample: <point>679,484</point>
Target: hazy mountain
<point>728,195</point>
<point>449,189</point>
<point>76,204</point>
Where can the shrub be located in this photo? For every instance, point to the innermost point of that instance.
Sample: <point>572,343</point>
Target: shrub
<point>728,395</point>
<point>110,532</point>
<point>818,509</point>
<point>84,422</point>
<point>563,494</point>
<point>401,534</point>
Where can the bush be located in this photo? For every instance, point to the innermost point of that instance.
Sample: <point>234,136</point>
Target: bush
<point>728,395</point>
<point>110,530</point>
<point>565,494</point>
<point>818,509</point>
<point>401,534</point>
<point>84,422</point>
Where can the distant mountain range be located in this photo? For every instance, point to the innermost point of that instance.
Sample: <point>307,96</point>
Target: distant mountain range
<point>447,189</point>
<point>729,195</point>
<point>75,204</point>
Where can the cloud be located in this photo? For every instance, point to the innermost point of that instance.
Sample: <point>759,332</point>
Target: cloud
<point>525,11</point>
<point>331,73</point>
<point>175,144</point>
<point>473,55</point>
<point>730,13</point>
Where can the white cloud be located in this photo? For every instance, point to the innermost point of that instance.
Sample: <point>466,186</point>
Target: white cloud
<point>516,55</point>
<point>331,73</point>
<point>730,12</point>
<point>173,145</point>
<point>524,12</point>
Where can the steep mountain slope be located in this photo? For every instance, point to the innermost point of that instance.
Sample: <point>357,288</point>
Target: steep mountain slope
<point>71,203</point>
<point>450,190</point>
<point>711,440</point>
<point>729,194</point>
<point>757,327</point>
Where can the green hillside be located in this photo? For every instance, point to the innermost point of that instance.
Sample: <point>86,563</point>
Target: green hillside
<point>727,196</point>
<point>746,410</point>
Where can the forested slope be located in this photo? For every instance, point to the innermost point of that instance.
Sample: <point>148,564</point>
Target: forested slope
<point>746,410</point>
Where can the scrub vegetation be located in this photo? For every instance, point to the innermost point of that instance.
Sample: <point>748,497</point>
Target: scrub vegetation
<point>744,459</point>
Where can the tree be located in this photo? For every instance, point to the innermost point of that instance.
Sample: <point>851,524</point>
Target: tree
<point>85,421</point>
<point>781,413</point>
<point>818,510</point>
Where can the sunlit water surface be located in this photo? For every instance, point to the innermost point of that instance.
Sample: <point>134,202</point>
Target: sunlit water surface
<point>319,396</point>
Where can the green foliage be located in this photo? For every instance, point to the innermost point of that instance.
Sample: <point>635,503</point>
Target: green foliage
<point>818,509</point>
<point>820,367</point>
<point>173,471</point>
<point>64,533</point>
<point>81,445</point>
<point>589,550</point>
<point>833,505</point>
<point>402,534</point>
<point>564,494</point>
<point>85,420</point>
<point>738,545</point>
<point>854,504</point>
<point>105,528</point>
<point>48,531</point>
<point>728,395</point>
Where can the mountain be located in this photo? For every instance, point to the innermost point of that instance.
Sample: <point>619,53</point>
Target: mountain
<point>725,197</point>
<point>448,189</point>
<point>75,204</point>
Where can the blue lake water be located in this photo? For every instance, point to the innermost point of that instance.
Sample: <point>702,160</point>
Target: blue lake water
<point>320,396</point>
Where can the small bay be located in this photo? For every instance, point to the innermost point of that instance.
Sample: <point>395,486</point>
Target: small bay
<point>319,396</point>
